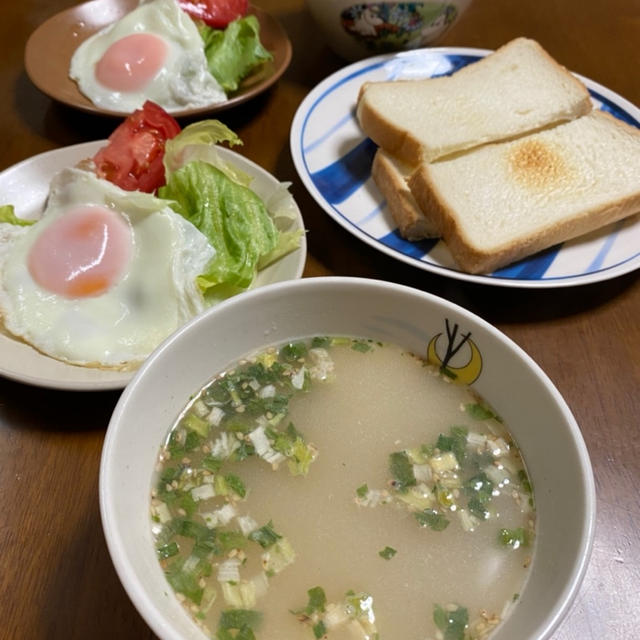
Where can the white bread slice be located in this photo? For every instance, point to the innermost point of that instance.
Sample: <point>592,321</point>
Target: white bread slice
<point>504,201</point>
<point>515,90</point>
<point>390,176</point>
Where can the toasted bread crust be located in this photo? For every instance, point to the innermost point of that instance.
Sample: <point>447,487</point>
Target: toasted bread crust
<point>412,223</point>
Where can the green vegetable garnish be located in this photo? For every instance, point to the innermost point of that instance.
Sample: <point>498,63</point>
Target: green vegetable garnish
<point>432,519</point>
<point>168,550</point>
<point>228,483</point>
<point>451,623</point>
<point>362,491</point>
<point>514,538</point>
<point>456,442</point>
<point>480,412</point>
<point>186,502</point>
<point>229,540</point>
<point>479,490</point>
<point>242,621</point>
<point>319,629</point>
<point>235,484</point>
<point>401,471</point>
<point>317,601</point>
<point>187,581</point>
<point>361,345</point>
<point>265,536</point>
<point>293,351</point>
<point>194,423</point>
<point>387,553</point>
<point>211,464</point>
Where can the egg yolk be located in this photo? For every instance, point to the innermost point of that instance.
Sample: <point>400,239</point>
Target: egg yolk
<point>130,63</point>
<point>83,253</point>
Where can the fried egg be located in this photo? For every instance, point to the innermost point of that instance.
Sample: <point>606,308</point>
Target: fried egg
<point>154,52</point>
<point>104,276</point>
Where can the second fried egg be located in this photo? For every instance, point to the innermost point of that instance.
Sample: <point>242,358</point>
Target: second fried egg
<point>155,52</point>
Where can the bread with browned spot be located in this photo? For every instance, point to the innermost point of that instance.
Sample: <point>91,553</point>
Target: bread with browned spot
<point>503,201</point>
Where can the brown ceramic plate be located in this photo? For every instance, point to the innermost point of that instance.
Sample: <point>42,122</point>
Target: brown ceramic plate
<point>66,30</point>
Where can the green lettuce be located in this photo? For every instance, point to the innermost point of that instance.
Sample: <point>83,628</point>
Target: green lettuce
<point>234,219</point>
<point>8,214</point>
<point>199,141</point>
<point>247,233</point>
<point>234,52</point>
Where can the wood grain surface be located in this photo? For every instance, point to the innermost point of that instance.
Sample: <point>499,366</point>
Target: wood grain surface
<point>56,578</point>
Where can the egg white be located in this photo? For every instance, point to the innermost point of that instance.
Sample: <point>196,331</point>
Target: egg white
<point>119,328</point>
<point>183,82</point>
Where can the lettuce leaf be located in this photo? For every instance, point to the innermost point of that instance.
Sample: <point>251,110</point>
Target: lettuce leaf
<point>247,233</point>
<point>234,52</point>
<point>232,217</point>
<point>8,214</point>
<point>198,141</point>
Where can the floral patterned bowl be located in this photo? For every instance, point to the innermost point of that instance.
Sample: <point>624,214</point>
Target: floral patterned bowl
<point>356,30</point>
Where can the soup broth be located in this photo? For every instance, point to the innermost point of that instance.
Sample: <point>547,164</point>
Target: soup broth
<point>342,488</point>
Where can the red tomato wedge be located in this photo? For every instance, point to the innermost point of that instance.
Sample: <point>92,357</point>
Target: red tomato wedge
<point>216,13</point>
<point>132,159</point>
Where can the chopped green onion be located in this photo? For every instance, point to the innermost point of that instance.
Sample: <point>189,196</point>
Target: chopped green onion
<point>452,623</point>
<point>432,519</point>
<point>361,345</point>
<point>524,481</point>
<point>480,412</point>
<point>387,553</point>
<point>265,536</point>
<point>479,490</point>
<point>456,442</point>
<point>401,471</point>
<point>197,424</point>
<point>319,629</point>
<point>168,550</point>
<point>514,538</point>
<point>293,351</point>
<point>362,491</point>
<point>243,621</point>
<point>211,464</point>
<point>236,484</point>
<point>317,601</point>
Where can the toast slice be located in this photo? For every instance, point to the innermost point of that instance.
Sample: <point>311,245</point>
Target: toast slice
<point>517,89</point>
<point>390,176</point>
<point>501,202</point>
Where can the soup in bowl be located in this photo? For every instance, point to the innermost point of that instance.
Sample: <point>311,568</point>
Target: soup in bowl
<point>345,458</point>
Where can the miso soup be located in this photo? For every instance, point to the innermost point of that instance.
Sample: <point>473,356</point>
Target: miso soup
<point>342,488</point>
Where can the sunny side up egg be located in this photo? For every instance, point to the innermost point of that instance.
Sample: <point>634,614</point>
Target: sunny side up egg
<point>104,276</point>
<point>153,53</point>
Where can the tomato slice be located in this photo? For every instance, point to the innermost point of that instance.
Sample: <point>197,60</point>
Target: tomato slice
<point>216,13</point>
<point>132,159</point>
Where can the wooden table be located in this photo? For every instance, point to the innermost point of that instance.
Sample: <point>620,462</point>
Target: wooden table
<point>56,577</point>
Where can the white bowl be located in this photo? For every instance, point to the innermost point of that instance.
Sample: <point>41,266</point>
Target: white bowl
<point>539,419</point>
<point>355,30</point>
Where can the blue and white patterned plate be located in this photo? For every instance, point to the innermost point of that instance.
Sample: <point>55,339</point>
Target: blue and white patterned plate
<point>333,158</point>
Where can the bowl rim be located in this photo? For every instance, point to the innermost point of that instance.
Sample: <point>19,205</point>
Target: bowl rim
<point>116,544</point>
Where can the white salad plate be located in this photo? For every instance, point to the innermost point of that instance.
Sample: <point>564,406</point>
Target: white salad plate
<point>333,158</point>
<point>26,186</point>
